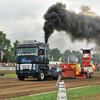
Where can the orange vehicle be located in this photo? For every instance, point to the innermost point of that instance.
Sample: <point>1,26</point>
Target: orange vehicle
<point>76,70</point>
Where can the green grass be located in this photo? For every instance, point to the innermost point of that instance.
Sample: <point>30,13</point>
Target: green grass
<point>74,94</point>
<point>9,75</point>
<point>96,72</point>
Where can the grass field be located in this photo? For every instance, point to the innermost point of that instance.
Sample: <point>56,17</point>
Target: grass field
<point>74,94</point>
<point>97,72</point>
<point>9,75</point>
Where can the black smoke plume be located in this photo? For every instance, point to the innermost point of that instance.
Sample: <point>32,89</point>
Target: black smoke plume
<point>79,26</point>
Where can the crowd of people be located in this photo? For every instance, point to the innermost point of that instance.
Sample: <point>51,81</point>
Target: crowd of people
<point>8,64</point>
<point>14,65</point>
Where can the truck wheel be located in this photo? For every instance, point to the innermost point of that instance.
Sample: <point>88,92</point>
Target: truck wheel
<point>90,75</point>
<point>99,69</point>
<point>41,75</point>
<point>87,75</point>
<point>21,78</point>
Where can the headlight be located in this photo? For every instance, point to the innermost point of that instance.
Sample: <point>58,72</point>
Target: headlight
<point>33,66</point>
<point>17,66</point>
<point>71,67</point>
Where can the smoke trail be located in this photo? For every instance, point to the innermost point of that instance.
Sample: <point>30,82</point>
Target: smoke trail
<point>87,10</point>
<point>78,26</point>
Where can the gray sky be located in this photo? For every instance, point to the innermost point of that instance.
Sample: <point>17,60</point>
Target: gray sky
<point>23,19</point>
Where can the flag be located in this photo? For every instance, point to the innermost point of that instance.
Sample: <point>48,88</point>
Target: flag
<point>68,59</point>
<point>60,59</point>
<point>16,57</point>
<point>52,58</point>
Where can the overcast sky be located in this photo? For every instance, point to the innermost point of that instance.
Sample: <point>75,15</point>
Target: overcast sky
<point>23,20</point>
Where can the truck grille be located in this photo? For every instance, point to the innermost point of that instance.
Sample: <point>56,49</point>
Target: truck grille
<point>25,66</point>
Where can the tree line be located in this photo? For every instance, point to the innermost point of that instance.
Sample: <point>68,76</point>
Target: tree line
<point>8,51</point>
<point>65,57</point>
<point>70,56</point>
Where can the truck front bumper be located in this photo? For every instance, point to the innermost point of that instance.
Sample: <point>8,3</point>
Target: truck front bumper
<point>27,73</point>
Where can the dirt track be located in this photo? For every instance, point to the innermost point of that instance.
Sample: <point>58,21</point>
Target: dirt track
<point>8,72</point>
<point>12,87</point>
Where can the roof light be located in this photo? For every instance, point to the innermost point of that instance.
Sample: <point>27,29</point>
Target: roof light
<point>28,41</point>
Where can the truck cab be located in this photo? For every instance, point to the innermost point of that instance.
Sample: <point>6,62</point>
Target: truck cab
<point>32,59</point>
<point>86,57</point>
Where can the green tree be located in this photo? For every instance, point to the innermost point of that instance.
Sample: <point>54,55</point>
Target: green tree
<point>96,58</point>
<point>66,54</point>
<point>73,56</point>
<point>55,53</point>
<point>5,45</point>
<point>13,49</point>
<point>13,52</point>
<point>77,56</point>
<point>50,54</point>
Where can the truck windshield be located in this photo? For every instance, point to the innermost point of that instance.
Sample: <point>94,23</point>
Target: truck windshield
<point>27,51</point>
<point>86,55</point>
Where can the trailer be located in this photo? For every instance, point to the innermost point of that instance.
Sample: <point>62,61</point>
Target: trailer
<point>76,70</point>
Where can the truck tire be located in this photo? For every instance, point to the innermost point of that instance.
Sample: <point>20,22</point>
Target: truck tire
<point>87,75</point>
<point>98,68</point>
<point>41,76</point>
<point>21,78</point>
<point>90,75</point>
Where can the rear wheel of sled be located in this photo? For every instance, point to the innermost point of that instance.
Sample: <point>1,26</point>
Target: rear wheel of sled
<point>87,75</point>
<point>99,68</point>
<point>21,78</point>
<point>90,75</point>
<point>41,76</point>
